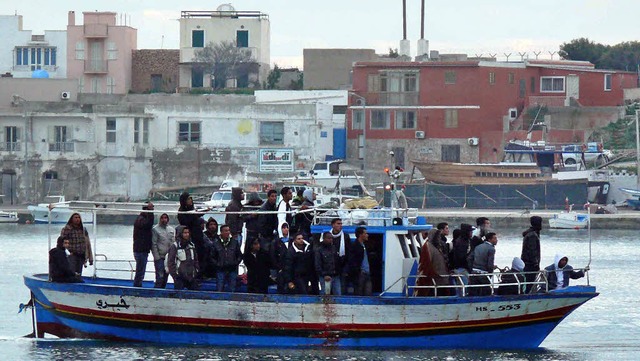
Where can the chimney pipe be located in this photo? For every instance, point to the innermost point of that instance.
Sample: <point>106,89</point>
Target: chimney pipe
<point>71,18</point>
<point>405,46</point>
<point>423,44</point>
<point>422,20</point>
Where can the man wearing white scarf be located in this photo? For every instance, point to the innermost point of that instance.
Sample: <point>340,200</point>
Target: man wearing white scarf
<point>342,242</point>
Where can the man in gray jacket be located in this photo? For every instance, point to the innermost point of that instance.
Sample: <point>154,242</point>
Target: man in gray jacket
<point>162,235</point>
<point>481,262</point>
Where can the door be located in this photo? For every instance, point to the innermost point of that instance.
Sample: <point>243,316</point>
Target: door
<point>242,39</point>
<point>573,89</point>
<point>8,188</point>
<point>340,143</point>
<point>196,78</point>
<point>156,82</point>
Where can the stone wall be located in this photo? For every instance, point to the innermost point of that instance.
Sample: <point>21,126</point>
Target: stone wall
<point>148,63</point>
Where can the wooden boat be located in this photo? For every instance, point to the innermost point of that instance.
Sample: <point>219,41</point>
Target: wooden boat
<point>108,308</point>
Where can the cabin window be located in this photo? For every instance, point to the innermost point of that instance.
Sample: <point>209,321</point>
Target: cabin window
<point>320,166</point>
<point>271,132</point>
<point>608,79</point>
<point>552,84</point>
<point>188,132</point>
<point>334,169</point>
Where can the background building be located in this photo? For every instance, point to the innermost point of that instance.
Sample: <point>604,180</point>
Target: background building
<point>99,53</point>
<point>155,70</point>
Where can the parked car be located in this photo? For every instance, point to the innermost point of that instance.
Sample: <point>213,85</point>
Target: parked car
<point>593,153</point>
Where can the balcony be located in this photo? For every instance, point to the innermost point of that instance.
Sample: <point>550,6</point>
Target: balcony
<point>548,100</point>
<point>93,66</point>
<point>96,31</point>
<point>62,147</point>
<point>10,146</point>
<point>399,98</point>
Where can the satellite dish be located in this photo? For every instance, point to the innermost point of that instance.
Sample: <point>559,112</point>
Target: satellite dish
<point>226,7</point>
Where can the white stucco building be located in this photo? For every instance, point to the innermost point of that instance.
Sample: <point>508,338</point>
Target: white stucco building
<point>21,52</point>
<point>249,30</point>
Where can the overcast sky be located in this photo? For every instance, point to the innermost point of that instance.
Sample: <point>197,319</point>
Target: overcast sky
<point>452,26</point>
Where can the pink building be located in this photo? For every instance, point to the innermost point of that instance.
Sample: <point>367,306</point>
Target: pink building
<point>99,53</point>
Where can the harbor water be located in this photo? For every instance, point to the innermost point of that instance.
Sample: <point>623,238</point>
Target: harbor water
<point>605,328</point>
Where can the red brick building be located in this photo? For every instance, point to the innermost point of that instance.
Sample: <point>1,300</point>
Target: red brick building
<point>466,110</point>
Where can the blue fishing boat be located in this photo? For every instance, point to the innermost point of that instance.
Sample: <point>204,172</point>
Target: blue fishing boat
<point>393,317</point>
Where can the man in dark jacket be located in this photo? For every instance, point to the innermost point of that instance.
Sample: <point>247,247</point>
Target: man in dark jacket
<point>252,220</point>
<point>227,257</point>
<point>59,267</point>
<point>358,264</point>
<point>483,224</point>
<point>531,250</point>
<point>257,263</point>
<point>193,221</point>
<point>342,243</point>
<point>304,219</point>
<point>235,221</point>
<point>142,234</point>
<point>182,261</point>
<point>278,254</point>
<point>512,281</point>
<point>299,266</point>
<point>458,257</point>
<point>328,269</point>
<point>269,221</point>
<point>559,273</point>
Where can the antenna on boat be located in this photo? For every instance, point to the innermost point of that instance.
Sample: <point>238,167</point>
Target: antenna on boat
<point>589,230</point>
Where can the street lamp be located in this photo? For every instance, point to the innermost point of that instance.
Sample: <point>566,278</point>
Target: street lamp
<point>363,104</point>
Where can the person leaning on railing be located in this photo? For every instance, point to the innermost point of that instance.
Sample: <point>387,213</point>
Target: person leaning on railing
<point>559,273</point>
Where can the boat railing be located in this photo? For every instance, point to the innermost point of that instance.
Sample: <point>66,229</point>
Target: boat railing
<point>111,265</point>
<point>462,284</point>
<point>375,217</point>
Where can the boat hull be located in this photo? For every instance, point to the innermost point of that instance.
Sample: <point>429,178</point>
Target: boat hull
<point>482,173</point>
<point>59,215</point>
<point>109,310</point>
<point>569,221</point>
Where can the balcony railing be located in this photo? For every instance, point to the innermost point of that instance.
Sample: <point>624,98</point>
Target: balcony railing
<point>96,30</point>
<point>10,146</point>
<point>62,147</point>
<point>92,66</point>
<point>548,100</point>
<point>399,98</point>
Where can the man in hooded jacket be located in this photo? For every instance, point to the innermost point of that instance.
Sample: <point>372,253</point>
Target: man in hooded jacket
<point>531,250</point>
<point>142,241</point>
<point>235,221</point>
<point>193,221</point>
<point>559,273</point>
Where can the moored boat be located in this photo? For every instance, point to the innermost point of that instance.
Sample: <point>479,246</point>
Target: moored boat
<point>8,217</point>
<point>56,210</point>
<point>109,308</point>
<point>569,220</point>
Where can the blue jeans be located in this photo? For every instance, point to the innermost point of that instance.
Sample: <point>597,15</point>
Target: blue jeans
<point>141,267</point>
<point>464,277</point>
<point>161,274</point>
<point>228,279</point>
<point>334,286</point>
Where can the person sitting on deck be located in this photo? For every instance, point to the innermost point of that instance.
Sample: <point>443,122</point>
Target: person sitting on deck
<point>481,260</point>
<point>257,262</point>
<point>182,261</point>
<point>227,257</point>
<point>59,267</point>
<point>512,281</point>
<point>299,266</point>
<point>559,273</point>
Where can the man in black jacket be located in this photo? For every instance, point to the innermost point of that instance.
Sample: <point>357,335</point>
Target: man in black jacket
<point>299,266</point>
<point>227,257</point>
<point>458,259</point>
<point>328,268</point>
<point>235,221</point>
<point>59,266</point>
<point>193,221</point>
<point>269,221</point>
<point>257,263</point>
<point>531,250</point>
<point>358,264</point>
<point>142,234</point>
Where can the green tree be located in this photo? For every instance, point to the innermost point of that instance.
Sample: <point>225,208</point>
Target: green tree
<point>623,56</point>
<point>393,53</point>
<point>583,49</point>
<point>274,77</point>
<point>297,84</point>
<point>224,61</point>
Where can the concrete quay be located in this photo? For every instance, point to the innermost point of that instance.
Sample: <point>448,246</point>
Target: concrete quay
<point>500,219</point>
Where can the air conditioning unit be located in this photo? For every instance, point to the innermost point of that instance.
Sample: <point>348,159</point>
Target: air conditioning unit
<point>473,141</point>
<point>65,95</point>
<point>419,134</point>
<point>513,113</point>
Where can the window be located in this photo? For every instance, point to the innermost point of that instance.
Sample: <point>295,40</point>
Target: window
<point>271,132</point>
<point>451,118</point>
<point>189,132</point>
<point>242,39</point>
<point>80,50</point>
<point>36,57</point>
<point>552,84</point>
<point>373,83</point>
<point>394,82</point>
<point>59,137</point>
<point>156,82</point>
<point>11,139</point>
<point>81,84</point>
<point>111,130</point>
<point>492,78</point>
<point>197,38</point>
<point>405,119</point>
<point>449,77</point>
<point>112,51</point>
<point>533,85</point>
<point>339,109</point>
<point>380,119</point>
<point>111,85</point>
<point>361,141</point>
<point>357,119</point>
<point>50,175</point>
<point>608,79</point>
<point>141,131</point>
<point>512,78</point>
<point>450,153</point>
